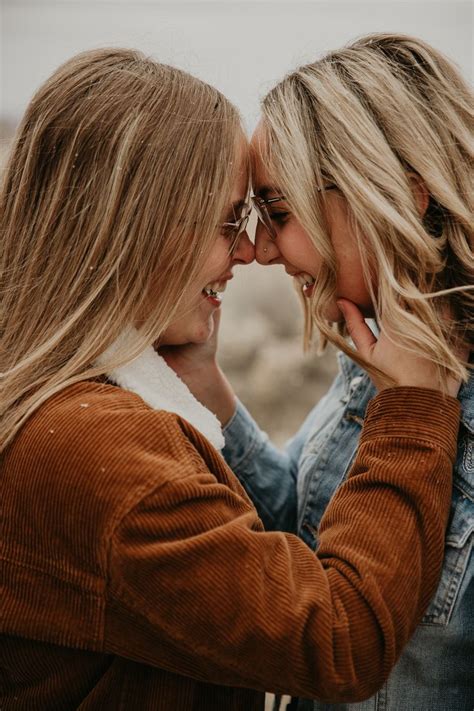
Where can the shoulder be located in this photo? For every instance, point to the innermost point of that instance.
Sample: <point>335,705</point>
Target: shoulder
<point>83,462</point>
<point>101,431</point>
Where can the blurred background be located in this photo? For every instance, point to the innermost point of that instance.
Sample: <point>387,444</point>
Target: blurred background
<point>243,48</point>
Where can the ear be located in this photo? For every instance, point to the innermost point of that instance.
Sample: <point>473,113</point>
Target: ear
<point>420,192</point>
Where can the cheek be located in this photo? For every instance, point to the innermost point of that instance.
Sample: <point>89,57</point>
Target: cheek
<point>195,326</point>
<point>351,283</point>
<point>297,248</point>
<point>200,324</point>
<point>350,278</point>
<point>217,262</point>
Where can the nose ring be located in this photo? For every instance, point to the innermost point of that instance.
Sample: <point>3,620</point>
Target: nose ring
<point>265,249</point>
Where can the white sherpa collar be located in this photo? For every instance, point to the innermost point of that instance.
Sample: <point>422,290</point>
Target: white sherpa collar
<point>150,377</point>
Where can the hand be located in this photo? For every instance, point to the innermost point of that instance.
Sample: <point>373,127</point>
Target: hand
<point>196,365</point>
<point>400,365</point>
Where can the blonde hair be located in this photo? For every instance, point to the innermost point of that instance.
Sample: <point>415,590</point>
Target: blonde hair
<point>119,174</point>
<point>364,117</point>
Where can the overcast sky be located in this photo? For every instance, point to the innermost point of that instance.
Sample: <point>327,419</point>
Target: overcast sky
<point>242,47</point>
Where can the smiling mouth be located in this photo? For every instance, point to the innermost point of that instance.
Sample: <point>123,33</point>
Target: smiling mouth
<point>305,280</point>
<point>214,290</point>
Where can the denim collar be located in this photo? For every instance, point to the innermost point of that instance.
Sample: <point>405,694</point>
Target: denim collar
<point>466,398</point>
<point>351,370</point>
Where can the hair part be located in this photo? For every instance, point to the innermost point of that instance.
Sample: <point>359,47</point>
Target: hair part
<point>118,176</point>
<point>364,118</point>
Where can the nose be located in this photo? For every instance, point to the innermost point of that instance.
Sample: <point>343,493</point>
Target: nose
<point>266,250</point>
<point>245,252</point>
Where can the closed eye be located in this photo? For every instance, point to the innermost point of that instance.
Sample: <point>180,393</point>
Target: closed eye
<point>279,217</point>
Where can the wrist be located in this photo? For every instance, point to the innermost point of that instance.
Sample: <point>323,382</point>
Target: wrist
<point>220,397</point>
<point>210,386</point>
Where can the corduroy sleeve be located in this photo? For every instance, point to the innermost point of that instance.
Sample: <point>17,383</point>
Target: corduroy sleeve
<point>197,588</point>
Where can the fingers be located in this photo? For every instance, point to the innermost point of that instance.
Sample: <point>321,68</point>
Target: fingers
<point>364,339</point>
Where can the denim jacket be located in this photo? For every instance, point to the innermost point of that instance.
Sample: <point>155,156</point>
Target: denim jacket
<point>292,488</point>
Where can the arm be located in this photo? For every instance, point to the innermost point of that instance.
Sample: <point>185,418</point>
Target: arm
<point>267,473</point>
<point>196,587</point>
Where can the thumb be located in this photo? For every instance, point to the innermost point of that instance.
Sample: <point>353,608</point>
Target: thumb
<point>364,339</point>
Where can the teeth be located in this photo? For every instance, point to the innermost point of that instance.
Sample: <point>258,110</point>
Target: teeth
<point>215,288</point>
<point>305,279</point>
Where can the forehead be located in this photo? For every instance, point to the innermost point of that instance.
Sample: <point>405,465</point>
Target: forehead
<point>242,171</point>
<point>261,176</point>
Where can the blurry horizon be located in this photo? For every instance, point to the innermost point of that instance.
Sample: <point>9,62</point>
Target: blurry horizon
<point>242,47</point>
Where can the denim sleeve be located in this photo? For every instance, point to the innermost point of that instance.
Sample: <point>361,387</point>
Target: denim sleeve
<point>267,473</point>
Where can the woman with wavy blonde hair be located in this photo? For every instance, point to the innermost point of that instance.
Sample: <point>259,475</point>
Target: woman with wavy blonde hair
<point>383,130</point>
<point>135,571</point>
<point>363,181</point>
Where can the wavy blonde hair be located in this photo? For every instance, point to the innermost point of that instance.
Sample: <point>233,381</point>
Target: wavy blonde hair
<point>118,176</point>
<point>364,118</point>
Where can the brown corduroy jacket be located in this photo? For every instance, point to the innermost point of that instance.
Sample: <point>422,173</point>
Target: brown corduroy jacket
<point>136,575</point>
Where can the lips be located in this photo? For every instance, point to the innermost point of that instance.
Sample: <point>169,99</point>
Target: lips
<point>305,280</point>
<point>308,289</point>
<point>214,289</point>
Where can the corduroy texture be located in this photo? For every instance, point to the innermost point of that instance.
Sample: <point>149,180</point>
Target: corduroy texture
<point>136,573</point>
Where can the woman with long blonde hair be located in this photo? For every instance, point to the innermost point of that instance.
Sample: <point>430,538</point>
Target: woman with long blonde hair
<point>135,571</point>
<point>363,181</point>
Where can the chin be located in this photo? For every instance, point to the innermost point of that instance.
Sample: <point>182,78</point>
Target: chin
<point>333,314</point>
<point>201,332</point>
<point>196,328</point>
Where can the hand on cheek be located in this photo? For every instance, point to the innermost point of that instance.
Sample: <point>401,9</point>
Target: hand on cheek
<point>399,365</point>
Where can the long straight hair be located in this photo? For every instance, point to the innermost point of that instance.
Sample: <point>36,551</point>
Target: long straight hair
<point>365,117</point>
<point>119,173</point>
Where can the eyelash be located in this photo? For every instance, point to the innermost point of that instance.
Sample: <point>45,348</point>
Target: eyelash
<point>279,217</point>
